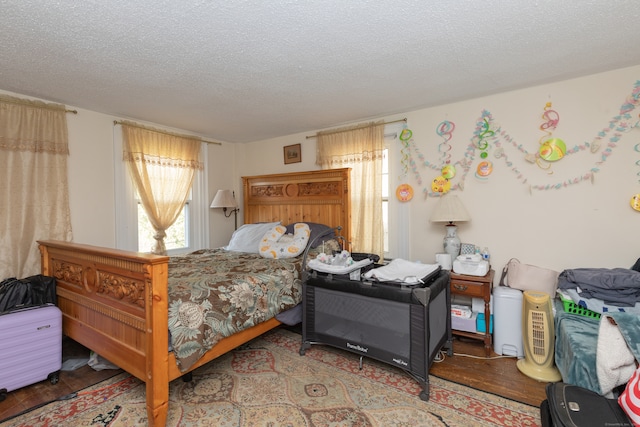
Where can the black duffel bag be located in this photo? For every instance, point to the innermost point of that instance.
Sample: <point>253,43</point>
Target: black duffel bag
<point>28,292</point>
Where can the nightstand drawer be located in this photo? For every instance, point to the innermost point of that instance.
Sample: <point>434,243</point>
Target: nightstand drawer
<point>472,289</point>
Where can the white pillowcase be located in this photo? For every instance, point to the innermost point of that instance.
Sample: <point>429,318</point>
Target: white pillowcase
<point>247,238</point>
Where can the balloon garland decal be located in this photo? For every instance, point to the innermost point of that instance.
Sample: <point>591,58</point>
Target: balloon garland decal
<point>404,192</point>
<point>485,167</point>
<point>488,131</point>
<point>445,129</point>
<point>405,136</point>
<point>441,184</point>
<point>635,199</point>
<point>551,149</point>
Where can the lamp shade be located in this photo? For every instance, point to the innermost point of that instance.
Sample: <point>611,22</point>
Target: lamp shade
<point>224,199</point>
<point>450,209</point>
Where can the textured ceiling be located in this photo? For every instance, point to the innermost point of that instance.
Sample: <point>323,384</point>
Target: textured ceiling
<point>248,70</point>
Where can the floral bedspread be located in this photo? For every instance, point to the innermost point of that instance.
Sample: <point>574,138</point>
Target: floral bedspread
<point>215,293</point>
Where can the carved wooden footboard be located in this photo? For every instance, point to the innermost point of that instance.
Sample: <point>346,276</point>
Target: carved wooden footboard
<point>115,303</point>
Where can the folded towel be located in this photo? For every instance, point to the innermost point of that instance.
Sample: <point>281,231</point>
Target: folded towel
<point>400,270</point>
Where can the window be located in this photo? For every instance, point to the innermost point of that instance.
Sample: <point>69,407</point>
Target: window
<point>133,230</point>
<point>177,235</point>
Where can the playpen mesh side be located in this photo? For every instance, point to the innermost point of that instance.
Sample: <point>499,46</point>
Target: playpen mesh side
<point>358,320</point>
<point>404,334</point>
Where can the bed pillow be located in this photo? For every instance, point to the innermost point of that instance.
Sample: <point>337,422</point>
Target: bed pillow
<point>276,244</point>
<point>247,237</point>
<point>316,230</point>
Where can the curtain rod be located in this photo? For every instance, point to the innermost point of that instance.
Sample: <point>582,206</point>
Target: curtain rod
<point>121,122</point>
<point>35,103</point>
<point>358,127</point>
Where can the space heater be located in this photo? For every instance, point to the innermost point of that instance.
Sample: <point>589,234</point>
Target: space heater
<point>538,335</point>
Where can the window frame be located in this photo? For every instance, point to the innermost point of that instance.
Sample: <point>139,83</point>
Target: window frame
<point>399,237</point>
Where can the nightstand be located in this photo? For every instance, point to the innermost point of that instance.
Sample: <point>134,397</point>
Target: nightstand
<point>479,287</point>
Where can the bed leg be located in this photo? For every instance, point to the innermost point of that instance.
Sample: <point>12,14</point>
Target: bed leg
<point>157,417</point>
<point>157,404</point>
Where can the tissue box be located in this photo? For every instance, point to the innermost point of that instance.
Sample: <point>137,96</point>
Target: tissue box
<point>480,323</point>
<point>462,324</point>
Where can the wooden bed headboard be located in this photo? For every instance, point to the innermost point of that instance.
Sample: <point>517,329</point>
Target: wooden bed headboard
<point>321,196</point>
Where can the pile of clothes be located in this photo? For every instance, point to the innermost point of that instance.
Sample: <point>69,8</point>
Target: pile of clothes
<point>602,289</point>
<point>615,294</point>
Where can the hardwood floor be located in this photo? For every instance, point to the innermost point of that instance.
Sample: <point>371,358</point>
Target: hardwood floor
<point>495,375</point>
<point>35,395</point>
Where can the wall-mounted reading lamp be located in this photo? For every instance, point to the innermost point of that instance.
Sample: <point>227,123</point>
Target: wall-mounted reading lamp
<point>225,199</point>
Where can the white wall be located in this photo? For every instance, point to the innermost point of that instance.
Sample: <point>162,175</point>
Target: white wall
<point>222,160</point>
<point>590,224</point>
<point>584,225</point>
<point>91,177</point>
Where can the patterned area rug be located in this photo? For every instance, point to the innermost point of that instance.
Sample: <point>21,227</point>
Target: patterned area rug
<point>267,383</point>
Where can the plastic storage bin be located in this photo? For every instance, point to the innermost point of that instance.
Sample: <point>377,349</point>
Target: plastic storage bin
<point>481,324</point>
<point>573,308</point>
<point>507,312</point>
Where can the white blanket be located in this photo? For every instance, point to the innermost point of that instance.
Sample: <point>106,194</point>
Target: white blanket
<point>400,270</point>
<point>615,363</point>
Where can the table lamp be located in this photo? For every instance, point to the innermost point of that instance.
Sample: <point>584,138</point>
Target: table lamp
<point>450,209</point>
<point>225,199</point>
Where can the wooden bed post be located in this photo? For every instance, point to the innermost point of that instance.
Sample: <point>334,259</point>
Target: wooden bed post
<point>157,343</point>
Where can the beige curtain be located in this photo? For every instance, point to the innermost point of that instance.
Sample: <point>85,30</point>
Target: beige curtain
<point>33,180</point>
<point>162,166</point>
<point>360,148</point>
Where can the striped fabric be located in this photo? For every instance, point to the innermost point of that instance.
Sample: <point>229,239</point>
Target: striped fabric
<point>629,400</point>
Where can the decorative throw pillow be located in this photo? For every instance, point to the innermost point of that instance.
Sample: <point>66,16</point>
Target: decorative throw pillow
<point>247,238</point>
<point>629,400</point>
<point>276,244</point>
<point>325,231</point>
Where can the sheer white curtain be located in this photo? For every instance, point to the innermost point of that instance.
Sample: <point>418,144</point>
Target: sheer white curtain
<point>360,148</point>
<point>162,166</point>
<point>33,182</point>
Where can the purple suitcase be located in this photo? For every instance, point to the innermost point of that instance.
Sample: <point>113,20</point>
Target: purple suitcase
<point>31,347</point>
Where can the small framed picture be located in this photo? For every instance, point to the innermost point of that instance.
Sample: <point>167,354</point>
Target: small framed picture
<point>292,154</point>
